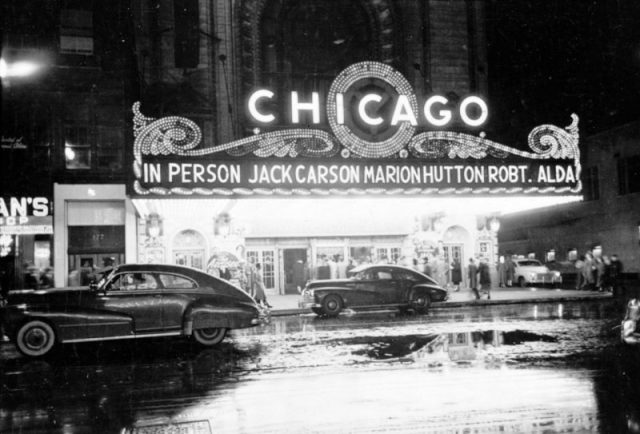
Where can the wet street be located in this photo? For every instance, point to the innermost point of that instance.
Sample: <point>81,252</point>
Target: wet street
<point>513,368</point>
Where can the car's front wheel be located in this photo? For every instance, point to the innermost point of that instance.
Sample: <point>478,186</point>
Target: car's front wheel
<point>522,282</point>
<point>332,305</point>
<point>420,301</point>
<point>209,336</point>
<point>35,338</point>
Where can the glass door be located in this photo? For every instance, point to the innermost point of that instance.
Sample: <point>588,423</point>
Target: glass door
<point>451,252</point>
<point>189,258</point>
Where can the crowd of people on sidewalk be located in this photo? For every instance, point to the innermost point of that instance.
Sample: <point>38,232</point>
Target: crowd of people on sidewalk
<point>599,273</point>
<point>247,275</point>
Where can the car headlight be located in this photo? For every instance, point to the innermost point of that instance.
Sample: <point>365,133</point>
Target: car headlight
<point>532,276</point>
<point>556,274</point>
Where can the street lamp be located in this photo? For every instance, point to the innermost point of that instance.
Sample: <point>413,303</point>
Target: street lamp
<point>17,69</point>
<point>494,224</point>
<point>154,225</point>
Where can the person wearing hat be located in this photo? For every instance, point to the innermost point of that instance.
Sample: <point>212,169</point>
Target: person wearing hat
<point>630,333</point>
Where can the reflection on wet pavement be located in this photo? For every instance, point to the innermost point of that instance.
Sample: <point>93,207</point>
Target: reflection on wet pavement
<point>459,346</point>
<point>546,368</point>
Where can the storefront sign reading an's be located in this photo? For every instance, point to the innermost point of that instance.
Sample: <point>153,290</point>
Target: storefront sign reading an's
<point>25,215</point>
<point>372,146</point>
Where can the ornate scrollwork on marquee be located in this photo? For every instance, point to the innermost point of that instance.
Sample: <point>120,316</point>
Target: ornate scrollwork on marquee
<point>546,141</point>
<point>181,136</point>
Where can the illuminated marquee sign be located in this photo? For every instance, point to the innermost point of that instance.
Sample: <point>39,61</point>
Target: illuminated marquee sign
<point>25,215</point>
<point>349,159</point>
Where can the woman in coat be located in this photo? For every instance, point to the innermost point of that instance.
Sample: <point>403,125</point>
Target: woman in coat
<point>485,278</point>
<point>473,278</point>
<point>260,294</point>
<point>456,274</point>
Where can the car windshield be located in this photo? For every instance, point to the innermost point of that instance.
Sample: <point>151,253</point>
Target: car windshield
<point>530,263</point>
<point>104,277</point>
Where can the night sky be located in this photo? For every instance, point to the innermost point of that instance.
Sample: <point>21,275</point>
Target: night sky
<point>548,59</point>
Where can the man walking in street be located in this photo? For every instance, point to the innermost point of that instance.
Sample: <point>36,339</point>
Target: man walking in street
<point>615,275</point>
<point>485,277</point>
<point>473,278</point>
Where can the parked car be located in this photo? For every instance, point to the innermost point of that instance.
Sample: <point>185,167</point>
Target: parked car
<point>532,271</point>
<point>130,301</point>
<point>373,286</point>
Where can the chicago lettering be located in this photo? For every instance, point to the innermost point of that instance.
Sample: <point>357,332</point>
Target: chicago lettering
<point>473,111</point>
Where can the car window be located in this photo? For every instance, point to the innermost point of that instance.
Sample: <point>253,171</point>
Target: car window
<point>407,275</point>
<point>133,282</point>
<point>364,275</point>
<point>384,275</point>
<point>175,281</point>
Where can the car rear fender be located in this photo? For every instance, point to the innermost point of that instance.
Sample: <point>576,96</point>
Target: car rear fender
<point>209,316</point>
<point>429,290</point>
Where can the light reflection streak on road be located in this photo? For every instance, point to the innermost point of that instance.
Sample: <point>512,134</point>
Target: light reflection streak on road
<point>403,399</point>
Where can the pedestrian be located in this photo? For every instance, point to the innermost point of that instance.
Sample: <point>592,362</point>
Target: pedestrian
<point>485,277</point>
<point>502,272</point>
<point>599,272</point>
<point>426,267</point>
<point>630,333</point>
<point>259,289</point>
<point>342,267</point>
<point>350,266</point>
<point>415,265</point>
<point>456,274</point>
<point>510,270</point>
<point>473,278</point>
<point>333,267</point>
<point>579,276</point>
<point>250,274</point>
<point>615,274</point>
<point>587,272</point>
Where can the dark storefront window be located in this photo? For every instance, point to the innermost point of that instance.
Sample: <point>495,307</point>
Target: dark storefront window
<point>591,184</point>
<point>76,32</point>
<point>629,175</point>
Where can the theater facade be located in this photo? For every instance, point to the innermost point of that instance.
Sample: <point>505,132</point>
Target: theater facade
<point>396,177</point>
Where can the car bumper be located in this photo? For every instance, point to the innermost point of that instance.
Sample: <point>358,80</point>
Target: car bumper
<point>304,304</point>
<point>545,279</point>
<point>264,317</point>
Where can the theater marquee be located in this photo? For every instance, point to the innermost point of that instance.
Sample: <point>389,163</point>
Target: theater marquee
<point>395,159</point>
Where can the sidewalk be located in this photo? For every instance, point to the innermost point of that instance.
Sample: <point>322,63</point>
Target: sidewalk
<point>288,304</point>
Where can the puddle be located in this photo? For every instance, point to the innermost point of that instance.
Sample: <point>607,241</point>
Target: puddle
<point>460,347</point>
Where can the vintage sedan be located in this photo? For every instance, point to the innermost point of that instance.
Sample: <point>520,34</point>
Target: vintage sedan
<point>130,301</point>
<point>532,271</point>
<point>372,286</point>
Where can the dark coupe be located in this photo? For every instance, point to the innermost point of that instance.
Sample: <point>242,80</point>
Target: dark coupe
<point>130,301</point>
<point>373,286</point>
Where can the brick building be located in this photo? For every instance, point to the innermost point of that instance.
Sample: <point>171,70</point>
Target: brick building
<point>606,222</point>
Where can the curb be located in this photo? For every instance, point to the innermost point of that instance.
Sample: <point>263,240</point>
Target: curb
<point>452,304</point>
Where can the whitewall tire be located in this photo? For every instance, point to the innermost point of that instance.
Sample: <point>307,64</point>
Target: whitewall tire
<point>209,336</point>
<point>35,338</point>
